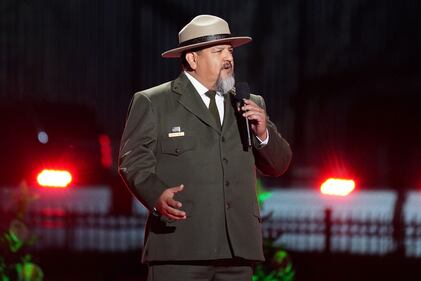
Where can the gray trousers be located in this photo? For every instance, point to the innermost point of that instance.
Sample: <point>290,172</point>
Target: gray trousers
<point>221,270</point>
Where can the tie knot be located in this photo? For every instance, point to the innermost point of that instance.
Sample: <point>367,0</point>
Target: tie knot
<point>210,94</point>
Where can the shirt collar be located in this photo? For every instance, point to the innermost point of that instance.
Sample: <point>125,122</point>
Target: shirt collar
<point>198,86</point>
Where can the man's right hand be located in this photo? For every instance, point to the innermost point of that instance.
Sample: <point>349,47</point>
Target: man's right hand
<point>168,207</point>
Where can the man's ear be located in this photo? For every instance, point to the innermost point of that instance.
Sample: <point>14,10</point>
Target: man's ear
<point>191,60</point>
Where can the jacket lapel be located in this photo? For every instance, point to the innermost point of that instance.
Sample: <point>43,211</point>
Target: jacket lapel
<point>190,99</point>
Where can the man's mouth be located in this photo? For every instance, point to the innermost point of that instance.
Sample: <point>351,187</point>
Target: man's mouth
<point>227,65</point>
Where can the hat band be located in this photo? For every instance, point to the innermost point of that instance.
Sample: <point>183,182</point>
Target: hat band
<point>204,39</point>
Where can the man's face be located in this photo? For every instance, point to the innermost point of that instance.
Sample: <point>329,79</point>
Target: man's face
<point>213,63</point>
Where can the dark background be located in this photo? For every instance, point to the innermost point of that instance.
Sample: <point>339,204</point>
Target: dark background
<point>340,78</point>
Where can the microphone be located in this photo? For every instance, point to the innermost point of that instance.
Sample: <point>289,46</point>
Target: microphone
<point>242,91</point>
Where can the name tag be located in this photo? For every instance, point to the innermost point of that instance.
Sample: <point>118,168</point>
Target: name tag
<point>177,134</point>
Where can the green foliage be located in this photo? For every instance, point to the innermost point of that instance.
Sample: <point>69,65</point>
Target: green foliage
<point>262,195</point>
<point>278,265</point>
<point>15,263</point>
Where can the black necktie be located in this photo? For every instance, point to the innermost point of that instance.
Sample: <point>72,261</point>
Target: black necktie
<point>212,106</point>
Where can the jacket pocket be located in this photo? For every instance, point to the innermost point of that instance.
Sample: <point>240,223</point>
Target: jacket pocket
<point>177,146</point>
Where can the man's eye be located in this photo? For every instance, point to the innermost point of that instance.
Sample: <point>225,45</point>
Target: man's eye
<point>221,50</point>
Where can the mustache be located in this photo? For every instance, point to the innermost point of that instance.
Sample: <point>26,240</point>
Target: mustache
<point>227,65</point>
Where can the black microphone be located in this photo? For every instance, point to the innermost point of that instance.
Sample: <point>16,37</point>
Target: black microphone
<point>242,91</point>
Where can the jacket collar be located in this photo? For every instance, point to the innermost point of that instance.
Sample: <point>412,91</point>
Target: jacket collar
<point>190,99</point>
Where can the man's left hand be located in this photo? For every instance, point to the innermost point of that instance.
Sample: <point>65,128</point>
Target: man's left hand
<point>257,116</point>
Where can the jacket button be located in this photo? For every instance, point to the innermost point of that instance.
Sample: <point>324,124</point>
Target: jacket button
<point>225,160</point>
<point>223,139</point>
<point>227,183</point>
<point>228,205</point>
<point>177,150</point>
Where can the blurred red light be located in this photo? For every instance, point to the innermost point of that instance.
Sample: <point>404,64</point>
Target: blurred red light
<point>105,145</point>
<point>337,187</point>
<point>54,178</point>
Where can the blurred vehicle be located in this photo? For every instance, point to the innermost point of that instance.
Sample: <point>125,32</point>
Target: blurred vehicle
<point>44,144</point>
<point>363,126</point>
<point>38,136</point>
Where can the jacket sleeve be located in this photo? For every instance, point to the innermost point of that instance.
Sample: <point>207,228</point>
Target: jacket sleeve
<point>137,162</point>
<point>273,158</point>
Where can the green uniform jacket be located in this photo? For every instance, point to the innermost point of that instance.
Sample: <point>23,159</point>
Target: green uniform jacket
<point>170,138</point>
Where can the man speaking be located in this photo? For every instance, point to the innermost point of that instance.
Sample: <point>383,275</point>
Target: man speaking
<point>183,156</point>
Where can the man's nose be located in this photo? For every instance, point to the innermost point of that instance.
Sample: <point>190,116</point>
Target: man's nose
<point>228,56</point>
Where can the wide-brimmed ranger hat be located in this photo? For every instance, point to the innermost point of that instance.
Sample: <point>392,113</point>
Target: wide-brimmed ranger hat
<point>202,31</point>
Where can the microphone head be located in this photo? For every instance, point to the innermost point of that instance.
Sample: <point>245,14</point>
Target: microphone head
<point>242,91</point>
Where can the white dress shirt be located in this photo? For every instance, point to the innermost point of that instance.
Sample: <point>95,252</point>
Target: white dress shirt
<point>202,90</point>
<point>219,99</point>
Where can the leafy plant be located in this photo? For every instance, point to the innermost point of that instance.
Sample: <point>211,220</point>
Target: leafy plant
<point>278,265</point>
<point>15,240</point>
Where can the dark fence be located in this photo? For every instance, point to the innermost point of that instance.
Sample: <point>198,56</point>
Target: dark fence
<point>98,247</point>
<point>369,235</point>
<point>329,234</point>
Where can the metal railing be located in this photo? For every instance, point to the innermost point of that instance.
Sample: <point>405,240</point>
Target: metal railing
<point>329,234</point>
